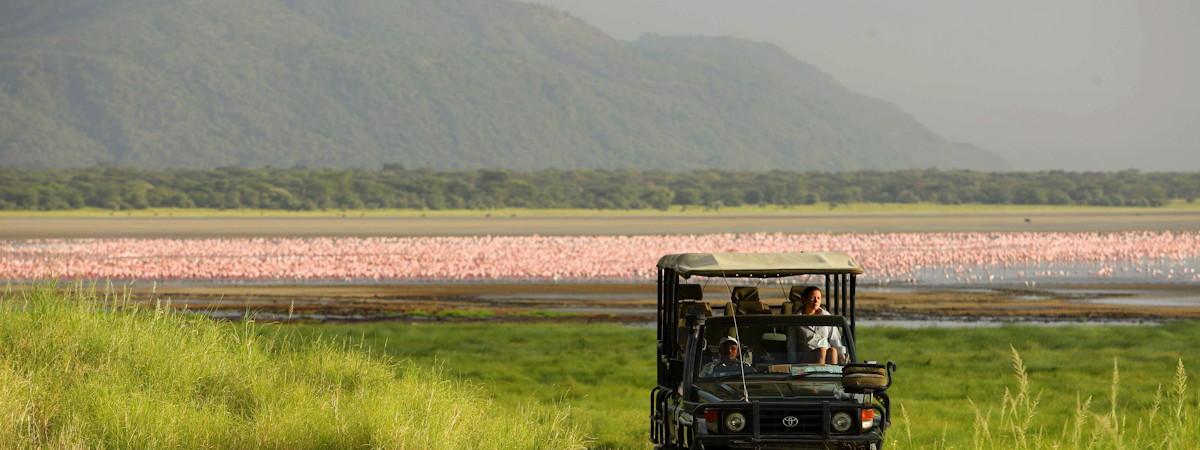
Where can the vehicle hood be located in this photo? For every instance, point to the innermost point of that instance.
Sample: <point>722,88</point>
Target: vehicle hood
<point>728,390</point>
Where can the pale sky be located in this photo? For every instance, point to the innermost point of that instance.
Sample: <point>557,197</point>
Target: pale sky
<point>1076,84</point>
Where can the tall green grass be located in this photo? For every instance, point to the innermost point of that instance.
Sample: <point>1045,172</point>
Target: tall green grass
<point>1171,422</point>
<point>78,370</point>
<point>604,372</point>
<point>948,378</point>
<point>82,371</point>
<point>957,383</point>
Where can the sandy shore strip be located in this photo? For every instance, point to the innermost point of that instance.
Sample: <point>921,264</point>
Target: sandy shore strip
<point>17,227</point>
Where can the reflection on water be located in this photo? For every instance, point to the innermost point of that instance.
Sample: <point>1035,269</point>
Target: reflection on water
<point>614,311</point>
<point>1171,302</point>
<point>568,296</point>
<point>269,316</point>
<point>1145,271</point>
<point>986,323</point>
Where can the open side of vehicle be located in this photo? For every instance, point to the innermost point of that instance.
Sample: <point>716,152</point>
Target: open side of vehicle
<point>751,377</point>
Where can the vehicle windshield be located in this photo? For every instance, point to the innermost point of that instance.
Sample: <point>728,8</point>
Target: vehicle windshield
<point>771,350</point>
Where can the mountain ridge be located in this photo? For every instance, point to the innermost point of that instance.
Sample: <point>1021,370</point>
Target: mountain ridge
<point>446,85</point>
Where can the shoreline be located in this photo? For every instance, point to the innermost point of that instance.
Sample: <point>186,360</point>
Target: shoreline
<point>635,303</point>
<point>16,227</point>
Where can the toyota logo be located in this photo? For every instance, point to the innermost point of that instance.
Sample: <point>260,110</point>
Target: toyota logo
<point>790,421</point>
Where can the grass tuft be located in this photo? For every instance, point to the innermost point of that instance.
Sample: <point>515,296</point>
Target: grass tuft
<point>80,369</point>
<point>1088,429</point>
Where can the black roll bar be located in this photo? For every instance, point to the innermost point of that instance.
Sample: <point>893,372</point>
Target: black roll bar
<point>827,290</point>
<point>853,287</point>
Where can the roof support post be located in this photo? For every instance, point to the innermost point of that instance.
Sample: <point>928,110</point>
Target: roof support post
<point>837,295</point>
<point>828,291</point>
<point>659,298</point>
<point>845,295</point>
<point>662,344</point>
<point>853,288</point>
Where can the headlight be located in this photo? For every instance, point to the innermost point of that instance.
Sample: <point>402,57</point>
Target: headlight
<point>735,422</point>
<point>841,422</point>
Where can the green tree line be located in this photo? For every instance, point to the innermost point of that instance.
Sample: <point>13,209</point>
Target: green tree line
<point>397,187</point>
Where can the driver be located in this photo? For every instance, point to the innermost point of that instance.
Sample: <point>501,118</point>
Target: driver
<point>729,362</point>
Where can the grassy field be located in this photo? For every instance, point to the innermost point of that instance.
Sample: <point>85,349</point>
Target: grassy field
<point>948,378</point>
<point>100,374</point>
<point>691,211</point>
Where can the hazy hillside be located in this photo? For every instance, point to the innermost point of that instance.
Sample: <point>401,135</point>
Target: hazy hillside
<point>424,83</point>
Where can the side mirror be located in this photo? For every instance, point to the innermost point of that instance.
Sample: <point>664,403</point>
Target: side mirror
<point>703,344</point>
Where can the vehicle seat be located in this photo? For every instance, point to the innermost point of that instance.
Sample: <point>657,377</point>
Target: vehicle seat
<point>774,347</point>
<point>794,303</point>
<point>689,292</point>
<point>690,298</point>
<point>744,300</point>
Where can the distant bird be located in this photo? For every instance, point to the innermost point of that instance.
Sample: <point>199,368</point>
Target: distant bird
<point>889,257</point>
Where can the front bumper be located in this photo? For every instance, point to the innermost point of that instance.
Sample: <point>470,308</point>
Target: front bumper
<point>758,436</point>
<point>857,442</point>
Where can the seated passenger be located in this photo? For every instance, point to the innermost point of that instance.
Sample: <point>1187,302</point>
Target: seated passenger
<point>825,341</point>
<point>729,362</point>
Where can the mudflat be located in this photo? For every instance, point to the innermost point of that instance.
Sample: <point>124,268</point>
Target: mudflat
<point>17,227</point>
<point>635,302</point>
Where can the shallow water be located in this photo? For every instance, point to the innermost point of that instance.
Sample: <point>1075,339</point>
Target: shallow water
<point>1145,271</point>
<point>988,323</point>
<point>651,312</point>
<point>1170,302</point>
<point>568,296</point>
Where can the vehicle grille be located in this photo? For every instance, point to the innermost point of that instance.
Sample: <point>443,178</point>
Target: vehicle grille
<point>771,421</point>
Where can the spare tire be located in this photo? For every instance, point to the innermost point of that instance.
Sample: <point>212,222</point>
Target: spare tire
<point>864,382</point>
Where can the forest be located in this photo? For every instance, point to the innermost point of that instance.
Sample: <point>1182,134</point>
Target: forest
<point>397,187</point>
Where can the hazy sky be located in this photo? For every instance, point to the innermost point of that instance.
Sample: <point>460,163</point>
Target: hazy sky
<point>1048,84</point>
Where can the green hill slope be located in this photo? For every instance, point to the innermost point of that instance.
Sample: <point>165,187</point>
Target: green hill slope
<point>424,83</point>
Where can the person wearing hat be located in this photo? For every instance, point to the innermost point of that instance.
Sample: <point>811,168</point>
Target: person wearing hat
<point>729,362</point>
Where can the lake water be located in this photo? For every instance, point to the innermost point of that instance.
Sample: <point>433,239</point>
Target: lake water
<point>1145,271</point>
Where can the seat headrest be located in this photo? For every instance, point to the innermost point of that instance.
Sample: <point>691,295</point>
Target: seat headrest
<point>774,337</point>
<point>744,294</point>
<point>796,294</point>
<point>689,292</point>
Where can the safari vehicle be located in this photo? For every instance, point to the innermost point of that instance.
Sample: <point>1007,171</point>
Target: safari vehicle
<point>777,395</point>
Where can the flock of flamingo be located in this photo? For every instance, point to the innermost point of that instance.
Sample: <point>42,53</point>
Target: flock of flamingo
<point>887,257</point>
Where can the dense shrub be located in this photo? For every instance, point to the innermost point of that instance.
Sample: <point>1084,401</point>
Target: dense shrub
<point>394,187</point>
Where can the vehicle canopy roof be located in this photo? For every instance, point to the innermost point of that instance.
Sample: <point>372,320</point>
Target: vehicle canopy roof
<point>759,265</point>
